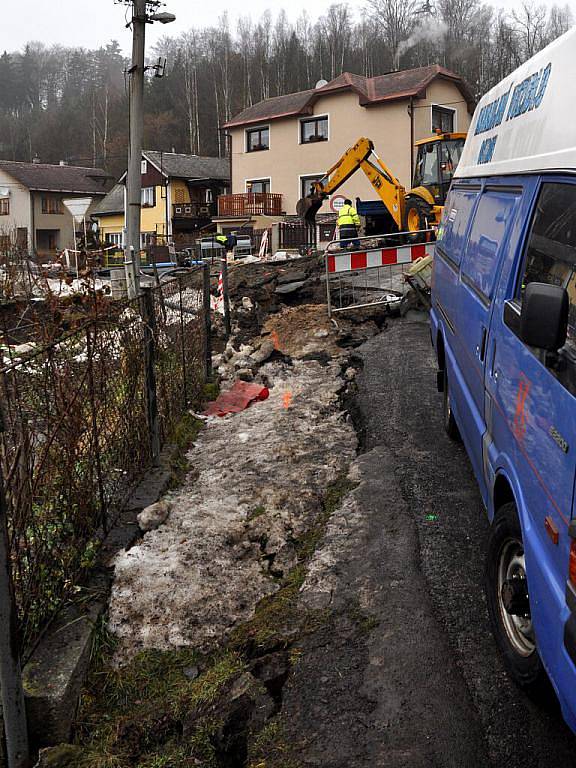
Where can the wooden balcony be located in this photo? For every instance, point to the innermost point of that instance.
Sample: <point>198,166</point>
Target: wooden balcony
<point>250,204</point>
<point>193,210</point>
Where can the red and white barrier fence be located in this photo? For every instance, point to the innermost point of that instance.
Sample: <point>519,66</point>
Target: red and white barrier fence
<point>371,275</point>
<point>403,254</point>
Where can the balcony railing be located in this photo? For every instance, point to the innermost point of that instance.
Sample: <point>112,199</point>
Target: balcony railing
<point>249,204</point>
<point>193,210</point>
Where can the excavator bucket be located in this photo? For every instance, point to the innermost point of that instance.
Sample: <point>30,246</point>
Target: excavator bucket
<point>307,208</point>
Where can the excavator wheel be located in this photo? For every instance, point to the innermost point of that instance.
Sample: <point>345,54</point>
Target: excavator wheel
<point>418,216</point>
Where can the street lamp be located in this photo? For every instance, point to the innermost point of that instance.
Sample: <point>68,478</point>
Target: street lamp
<point>140,17</point>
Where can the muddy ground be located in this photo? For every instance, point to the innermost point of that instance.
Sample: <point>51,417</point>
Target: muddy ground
<point>314,597</point>
<point>406,673</point>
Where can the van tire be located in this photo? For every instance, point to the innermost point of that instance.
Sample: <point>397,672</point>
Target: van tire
<point>513,634</point>
<point>418,216</point>
<point>450,426</point>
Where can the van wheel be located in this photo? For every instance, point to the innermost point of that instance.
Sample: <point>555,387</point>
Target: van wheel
<point>450,425</point>
<point>509,602</point>
<point>418,216</point>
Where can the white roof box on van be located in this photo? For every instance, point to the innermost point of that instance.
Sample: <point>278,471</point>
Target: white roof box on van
<point>523,124</point>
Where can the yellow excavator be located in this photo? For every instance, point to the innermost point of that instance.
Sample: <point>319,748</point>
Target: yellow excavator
<point>418,209</point>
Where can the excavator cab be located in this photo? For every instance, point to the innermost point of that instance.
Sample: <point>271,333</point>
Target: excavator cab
<point>436,162</point>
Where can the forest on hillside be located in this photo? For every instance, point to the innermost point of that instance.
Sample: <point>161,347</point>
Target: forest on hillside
<point>67,103</point>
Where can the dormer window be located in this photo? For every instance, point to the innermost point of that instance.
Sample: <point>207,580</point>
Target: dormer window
<point>258,139</point>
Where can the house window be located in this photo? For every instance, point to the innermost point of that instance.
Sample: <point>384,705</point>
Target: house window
<point>442,120</point>
<point>51,205</point>
<point>314,130</point>
<point>4,243</point>
<point>257,139</point>
<point>148,197</point>
<point>144,167</point>
<point>5,206</point>
<point>258,185</point>
<point>115,238</point>
<point>306,183</point>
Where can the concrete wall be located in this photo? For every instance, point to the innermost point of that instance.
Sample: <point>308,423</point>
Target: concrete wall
<point>388,125</point>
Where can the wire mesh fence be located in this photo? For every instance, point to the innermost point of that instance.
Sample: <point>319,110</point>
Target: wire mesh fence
<point>82,419</point>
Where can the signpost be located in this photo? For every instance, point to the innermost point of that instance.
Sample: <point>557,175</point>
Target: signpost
<point>78,207</point>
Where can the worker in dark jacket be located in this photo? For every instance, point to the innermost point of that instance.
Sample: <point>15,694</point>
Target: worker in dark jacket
<point>348,223</point>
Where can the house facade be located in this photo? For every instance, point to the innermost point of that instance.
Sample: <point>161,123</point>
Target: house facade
<point>32,211</point>
<point>179,194</point>
<point>280,145</point>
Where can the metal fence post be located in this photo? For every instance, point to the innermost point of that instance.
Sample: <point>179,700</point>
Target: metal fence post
<point>207,322</point>
<point>183,345</point>
<point>227,324</point>
<point>149,320</point>
<point>13,707</point>
<point>328,299</point>
<point>94,425</point>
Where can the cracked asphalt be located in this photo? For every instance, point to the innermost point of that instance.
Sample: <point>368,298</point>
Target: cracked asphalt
<point>404,672</point>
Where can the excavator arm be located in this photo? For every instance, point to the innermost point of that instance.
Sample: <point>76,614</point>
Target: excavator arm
<point>361,155</point>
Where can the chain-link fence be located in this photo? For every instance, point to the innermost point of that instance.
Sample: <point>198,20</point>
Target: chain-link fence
<point>82,420</point>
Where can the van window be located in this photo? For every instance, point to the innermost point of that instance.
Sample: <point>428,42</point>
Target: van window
<point>551,251</point>
<point>551,258</point>
<point>494,211</point>
<point>455,222</point>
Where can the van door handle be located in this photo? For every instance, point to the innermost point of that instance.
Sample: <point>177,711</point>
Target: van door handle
<point>493,371</point>
<point>482,350</point>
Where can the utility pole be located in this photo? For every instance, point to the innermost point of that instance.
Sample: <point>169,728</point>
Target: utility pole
<point>134,176</point>
<point>140,17</point>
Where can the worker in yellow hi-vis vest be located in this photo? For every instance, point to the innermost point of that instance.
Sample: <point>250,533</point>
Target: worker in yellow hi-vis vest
<point>348,223</point>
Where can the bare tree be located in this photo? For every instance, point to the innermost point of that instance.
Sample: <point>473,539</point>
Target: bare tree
<point>529,23</point>
<point>396,18</point>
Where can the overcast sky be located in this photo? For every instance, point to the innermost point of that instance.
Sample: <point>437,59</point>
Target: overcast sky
<point>91,23</point>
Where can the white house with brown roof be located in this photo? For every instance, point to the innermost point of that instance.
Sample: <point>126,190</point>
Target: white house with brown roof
<point>281,144</point>
<point>32,213</point>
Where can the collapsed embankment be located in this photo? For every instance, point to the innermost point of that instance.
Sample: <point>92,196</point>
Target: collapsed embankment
<point>205,610</point>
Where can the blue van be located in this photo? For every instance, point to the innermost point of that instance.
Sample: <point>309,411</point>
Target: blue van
<point>503,325</point>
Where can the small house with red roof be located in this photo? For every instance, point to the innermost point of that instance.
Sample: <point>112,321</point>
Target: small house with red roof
<point>280,145</point>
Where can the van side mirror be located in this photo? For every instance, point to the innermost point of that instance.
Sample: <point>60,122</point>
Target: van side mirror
<point>544,316</point>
